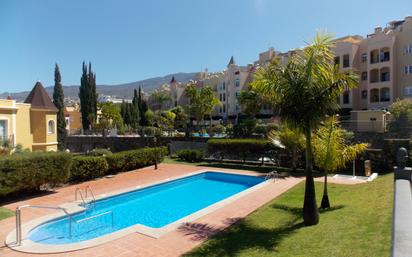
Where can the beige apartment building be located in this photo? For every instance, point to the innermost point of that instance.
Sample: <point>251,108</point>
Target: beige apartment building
<point>383,60</point>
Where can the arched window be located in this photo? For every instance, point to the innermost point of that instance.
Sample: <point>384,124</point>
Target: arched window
<point>51,127</point>
<point>374,95</point>
<point>385,94</point>
<point>385,74</point>
<point>385,54</point>
<point>374,76</point>
<point>374,56</point>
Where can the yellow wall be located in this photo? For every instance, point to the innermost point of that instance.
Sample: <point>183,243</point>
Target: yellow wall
<point>42,140</point>
<point>23,132</point>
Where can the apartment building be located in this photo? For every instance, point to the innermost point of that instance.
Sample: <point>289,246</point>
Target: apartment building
<point>32,123</point>
<point>383,61</point>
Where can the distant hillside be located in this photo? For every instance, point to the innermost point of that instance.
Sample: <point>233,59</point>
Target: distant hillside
<point>118,91</point>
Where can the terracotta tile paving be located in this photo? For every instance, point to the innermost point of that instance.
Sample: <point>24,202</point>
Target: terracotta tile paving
<point>171,244</point>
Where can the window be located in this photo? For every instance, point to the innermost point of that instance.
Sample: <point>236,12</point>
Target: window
<point>50,127</point>
<point>224,97</point>
<point>224,86</point>
<point>3,129</point>
<point>365,75</point>
<point>385,94</point>
<point>337,60</point>
<point>408,91</point>
<point>364,57</point>
<point>374,56</point>
<point>237,94</point>
<point>374,76</point>
<point>237,72</point>
<point>408,49</point>
<point>385,55</point>
<point>374,96</point>
<point>346,97</point>
<point>385,74</point>
<point>364,94</point>
<point>220,97</point>
<point>237,107</point>
<point>408,69</point>
<point>346,62</point>
<point>237,82</point>
<point>224,108</point>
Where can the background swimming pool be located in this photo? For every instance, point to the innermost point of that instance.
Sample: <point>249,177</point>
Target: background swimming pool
<point>155,207</point>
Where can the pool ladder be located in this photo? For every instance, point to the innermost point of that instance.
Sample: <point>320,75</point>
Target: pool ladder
<point>272,175</point>
<point>87,190</point>
<point>18,218</point>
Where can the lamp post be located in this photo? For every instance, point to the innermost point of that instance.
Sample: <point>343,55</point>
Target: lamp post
<point>155,150</point>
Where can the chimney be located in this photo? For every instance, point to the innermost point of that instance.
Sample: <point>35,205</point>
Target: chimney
<point>378,30</point>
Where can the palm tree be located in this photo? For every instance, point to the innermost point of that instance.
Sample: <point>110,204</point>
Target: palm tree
<point>332,152</point>
<point>291,139</point>
<point>161,97</point>
<point>304,91</point>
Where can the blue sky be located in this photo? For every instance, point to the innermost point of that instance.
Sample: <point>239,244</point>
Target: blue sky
<point>132,40</point>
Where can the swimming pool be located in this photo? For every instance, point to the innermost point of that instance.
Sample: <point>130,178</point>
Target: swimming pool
<point>154,207</point>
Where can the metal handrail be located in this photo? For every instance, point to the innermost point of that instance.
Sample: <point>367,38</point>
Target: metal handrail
<point>273,174</point>
<point>95,216</point>
<point>18,218</point>
<point>78,190</point>
<point>89,189</point>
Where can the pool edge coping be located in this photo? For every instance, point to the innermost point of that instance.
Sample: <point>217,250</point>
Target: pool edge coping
<point>73,207</point>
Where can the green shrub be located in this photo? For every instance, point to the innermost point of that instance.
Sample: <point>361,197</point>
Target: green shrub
<point>134,159</point>
<point>99,152</point>
<point>190,155</point>
<point>29,171</point>
<point>88,167</point>
<point>239,148</point>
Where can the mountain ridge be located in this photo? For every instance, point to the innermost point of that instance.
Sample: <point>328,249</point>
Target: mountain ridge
<point>122,91</point>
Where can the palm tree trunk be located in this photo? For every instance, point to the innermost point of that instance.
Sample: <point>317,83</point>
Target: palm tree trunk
<point>325,204</point>
<point>310,209</point>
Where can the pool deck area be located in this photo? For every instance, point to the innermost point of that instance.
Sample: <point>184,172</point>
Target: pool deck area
<point>174,243</point>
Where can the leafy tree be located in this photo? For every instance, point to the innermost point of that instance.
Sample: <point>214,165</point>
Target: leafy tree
<point>165,119</point>
<point>161,97</point>
<point>202,102</point>
<point>181,117</point>
<point>401,117</point>
<point>150,117</point>
<point>332,152</point>
<point>292,139</point>
<point>304,91</point>
<point>88,97</point>
<point>58,100</point>
<point>110,116</point>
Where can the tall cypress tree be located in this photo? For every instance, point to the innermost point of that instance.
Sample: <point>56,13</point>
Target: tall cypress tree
<point>88,96</point>
<point>135,110</point>
<point>142,105</point>
<point>58,100</point>
<point>84,95</point>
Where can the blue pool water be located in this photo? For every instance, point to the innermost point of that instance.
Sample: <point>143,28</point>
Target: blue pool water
<point>155,207</point>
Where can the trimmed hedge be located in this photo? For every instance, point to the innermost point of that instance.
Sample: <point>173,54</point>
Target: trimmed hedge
<point>134,159</point>
<point>88,167</point>
<point>190,155</point>
<point>239,148</point>
<point>29,171</point>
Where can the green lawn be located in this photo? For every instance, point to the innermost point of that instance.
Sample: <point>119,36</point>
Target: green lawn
<point>359,224</point>
<point>5,213</point>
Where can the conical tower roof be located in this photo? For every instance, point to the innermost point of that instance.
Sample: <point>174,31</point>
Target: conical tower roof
<point>39,99</point>
<point>231,61</point>
<point>173,80</point>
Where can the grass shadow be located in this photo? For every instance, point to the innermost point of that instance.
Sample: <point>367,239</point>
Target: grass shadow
<point>244,235</point>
